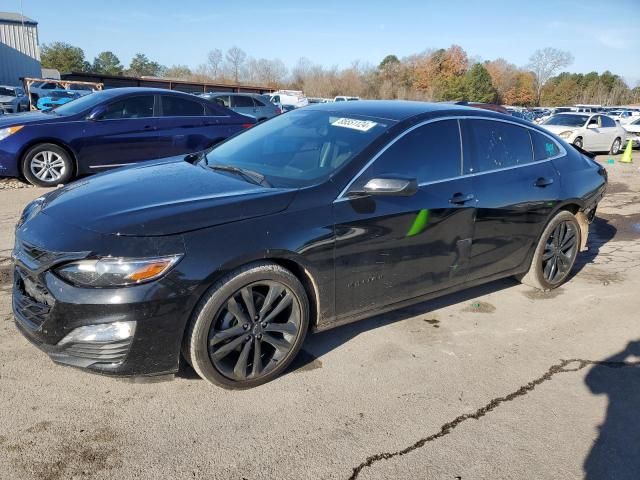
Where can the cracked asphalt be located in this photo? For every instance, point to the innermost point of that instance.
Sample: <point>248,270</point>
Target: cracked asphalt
<point>500,381</point>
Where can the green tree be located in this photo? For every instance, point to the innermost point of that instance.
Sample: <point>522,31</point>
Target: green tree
<point>63,57</point>
<point>479,86</point>
<point>389,60</point>
<point>107,63</point>
<point>141,66</point>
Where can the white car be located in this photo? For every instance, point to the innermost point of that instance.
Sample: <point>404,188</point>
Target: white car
<point>623,116</point>
<point>593,132</point>
<point>633,131</point>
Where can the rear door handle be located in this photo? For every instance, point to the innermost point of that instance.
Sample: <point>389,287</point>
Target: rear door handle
<point>543,182</point>
<point>149,127</point>
<point>461,198</point>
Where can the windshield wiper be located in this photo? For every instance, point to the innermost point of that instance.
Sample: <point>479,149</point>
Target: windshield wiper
<point>250,175</point>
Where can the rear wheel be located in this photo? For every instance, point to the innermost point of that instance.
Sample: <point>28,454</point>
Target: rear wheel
<point>615,147</point>
<point>249,327</point>
<point>47,165</point>
<point>555,253</point>
<point>578,142</point>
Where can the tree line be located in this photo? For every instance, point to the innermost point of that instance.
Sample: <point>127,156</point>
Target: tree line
<point>435,75</point>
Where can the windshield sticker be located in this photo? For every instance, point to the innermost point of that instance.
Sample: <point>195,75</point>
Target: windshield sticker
<point>360,125</point>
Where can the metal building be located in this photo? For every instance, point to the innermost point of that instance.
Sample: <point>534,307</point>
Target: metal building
<point>19,52</point>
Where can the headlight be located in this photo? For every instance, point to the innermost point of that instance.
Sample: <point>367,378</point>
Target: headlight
<point>5,132</point>
<point>565,134</point>
<point>116,272</point>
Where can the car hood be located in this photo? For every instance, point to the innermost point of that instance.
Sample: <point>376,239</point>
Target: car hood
<point>161,197</point>
<point>632,128</point>
<point>26,118</point>
<point>558,128</point>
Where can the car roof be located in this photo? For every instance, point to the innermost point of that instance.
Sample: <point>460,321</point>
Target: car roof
<point>398,110</point>
<point>126,90</point>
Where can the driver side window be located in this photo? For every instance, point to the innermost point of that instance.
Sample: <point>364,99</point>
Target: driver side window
<point>132,107</point>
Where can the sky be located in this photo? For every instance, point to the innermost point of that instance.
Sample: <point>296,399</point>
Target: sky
<point>601,34</point>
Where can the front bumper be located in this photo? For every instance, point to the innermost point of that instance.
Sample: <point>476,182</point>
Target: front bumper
<point>8,108</point>
<point>46,309</point>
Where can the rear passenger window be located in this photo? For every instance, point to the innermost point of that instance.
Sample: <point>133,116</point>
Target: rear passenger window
<point>428,153</point>
<point>493,145</point>
<point>240,101</point>
<point>543,146</point>
<point>607,122</point>
<point>258,102</point>
<point>180,107</point>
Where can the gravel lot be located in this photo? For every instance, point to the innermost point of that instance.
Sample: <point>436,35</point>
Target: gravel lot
<point>498,382</point>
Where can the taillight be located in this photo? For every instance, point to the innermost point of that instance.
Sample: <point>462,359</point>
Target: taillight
<point>278,110</point>
<point>247,125</point>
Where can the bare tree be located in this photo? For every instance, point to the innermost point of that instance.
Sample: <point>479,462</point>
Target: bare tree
<point>545,64</point>
<point>215,62</point>
<point>235,60</point>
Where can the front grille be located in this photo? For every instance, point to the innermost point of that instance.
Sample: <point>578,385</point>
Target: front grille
<point>37,254</point>
<point>114,352</point>
<point>30,311</point>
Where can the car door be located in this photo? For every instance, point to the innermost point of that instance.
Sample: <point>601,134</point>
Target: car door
<point>125,132</point>
<point>592,136</point>
<point>243,104</point>
<point>182,126</point>
<point>515,191</point>
<point>392,248</point>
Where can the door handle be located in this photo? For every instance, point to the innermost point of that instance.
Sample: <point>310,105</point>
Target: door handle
<point>543,182</point>
<point>461,198</point>
<point>148,127</point>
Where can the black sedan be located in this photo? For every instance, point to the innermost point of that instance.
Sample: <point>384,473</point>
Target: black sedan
<point>323,216</point>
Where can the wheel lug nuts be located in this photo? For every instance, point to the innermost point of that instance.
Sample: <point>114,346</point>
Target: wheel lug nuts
<point>264,324</point>
<point>256,317</point>
<point>245,326</point>
<point>259,336</point>
<point>248,337</point>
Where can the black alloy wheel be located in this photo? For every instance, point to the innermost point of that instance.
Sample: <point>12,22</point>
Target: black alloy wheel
<point>254,330</point>
<point>560,252</point>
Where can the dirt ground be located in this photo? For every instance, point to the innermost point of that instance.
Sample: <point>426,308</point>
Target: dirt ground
<point>497,382</point>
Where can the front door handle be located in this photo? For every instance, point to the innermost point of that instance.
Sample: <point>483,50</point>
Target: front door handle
<point>461,198</point>
<point>543,182</point>
<point>149,127</point>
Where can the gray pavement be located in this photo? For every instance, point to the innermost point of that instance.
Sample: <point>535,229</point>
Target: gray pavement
<point>497,382</point>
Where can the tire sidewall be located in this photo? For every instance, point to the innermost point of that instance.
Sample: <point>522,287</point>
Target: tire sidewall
<point>536,265</point>
<point>196,341</point>
<point>33,151</point>
<point>614,150</point>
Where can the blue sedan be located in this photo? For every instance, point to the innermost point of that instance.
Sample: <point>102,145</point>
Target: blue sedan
<point>108,129</point>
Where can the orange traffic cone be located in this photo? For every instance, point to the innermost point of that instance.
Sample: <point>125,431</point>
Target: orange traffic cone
<point>626,156</point>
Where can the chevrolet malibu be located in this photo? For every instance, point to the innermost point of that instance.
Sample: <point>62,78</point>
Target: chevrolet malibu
<point>320,217</point>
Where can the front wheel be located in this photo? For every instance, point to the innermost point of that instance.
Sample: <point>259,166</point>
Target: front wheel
<point>615,147</point>
<point>555,253</point>
<point>578,142</point>
<point>248,327</point>
<point>47,165</point>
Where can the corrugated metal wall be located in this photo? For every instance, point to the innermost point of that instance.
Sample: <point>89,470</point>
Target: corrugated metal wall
<point>19,53</point>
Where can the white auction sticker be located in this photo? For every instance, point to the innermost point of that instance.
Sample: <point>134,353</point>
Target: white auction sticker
<point>361,125</point>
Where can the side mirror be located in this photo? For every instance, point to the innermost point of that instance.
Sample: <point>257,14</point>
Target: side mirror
<point>96,113</point>
<point>399,187</point>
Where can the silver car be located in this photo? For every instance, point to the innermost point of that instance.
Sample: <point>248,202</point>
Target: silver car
<point>13,99</point>
<point>251,104</point>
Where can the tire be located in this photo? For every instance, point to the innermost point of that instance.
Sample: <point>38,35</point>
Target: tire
<point>222,342</point>
<point>578,142</point>
<point>615,146</point>
<point>562,229</point>
<point>47,165</point>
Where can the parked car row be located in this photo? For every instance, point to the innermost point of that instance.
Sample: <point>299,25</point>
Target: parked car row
<point>108,129</point>
<point>13,99</point>
<point>595,133</point>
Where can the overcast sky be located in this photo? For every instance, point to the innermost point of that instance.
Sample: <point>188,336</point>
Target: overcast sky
<point>601,35</point>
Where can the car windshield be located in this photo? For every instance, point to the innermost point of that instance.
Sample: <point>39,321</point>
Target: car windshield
<point>82,104</point>
<point>301,148</point>
<point>567,120</point>
<point>7,92</point>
